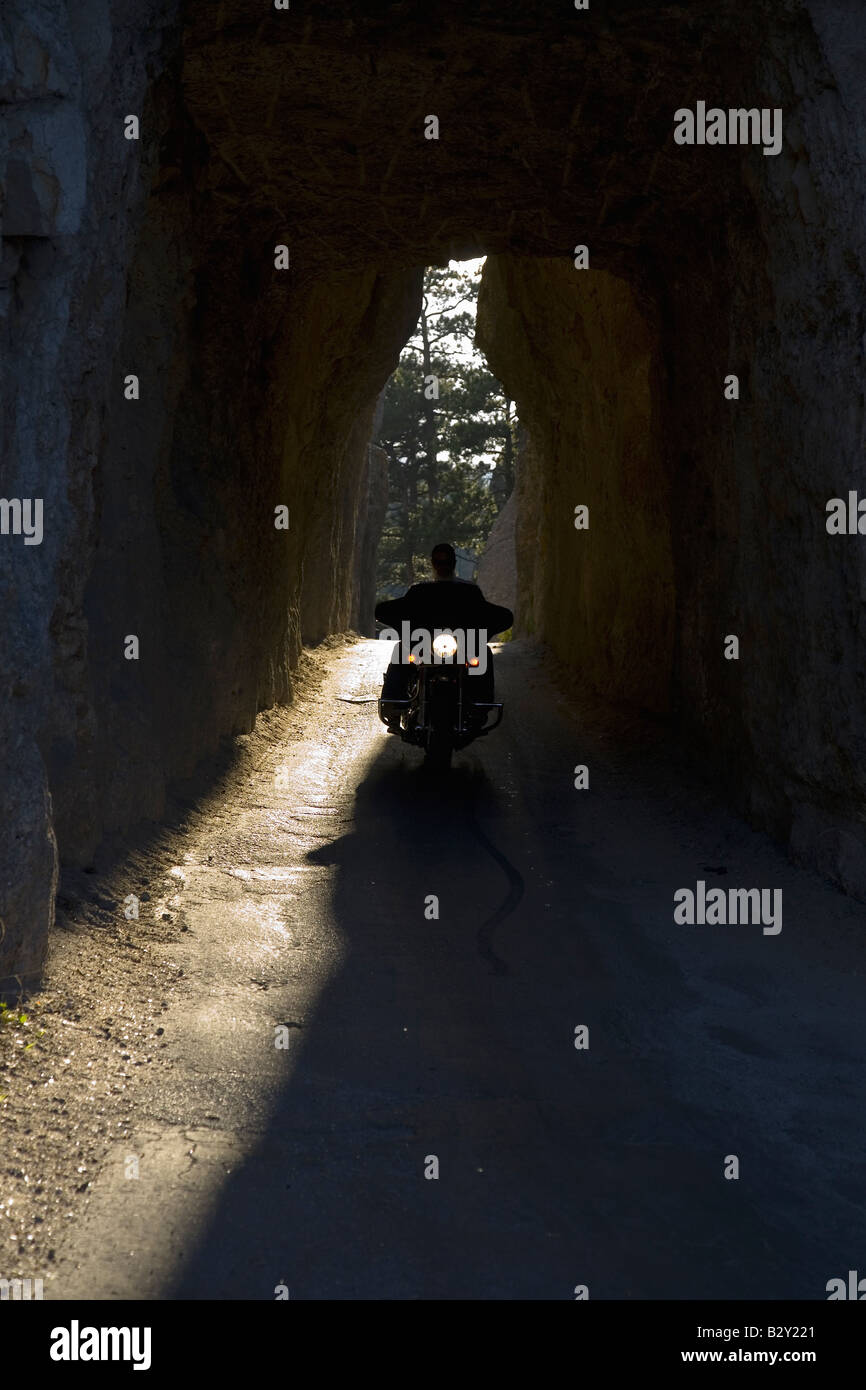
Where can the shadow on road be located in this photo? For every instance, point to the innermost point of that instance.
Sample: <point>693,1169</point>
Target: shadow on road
<point>402,1062</point>
<point>445,1040</point>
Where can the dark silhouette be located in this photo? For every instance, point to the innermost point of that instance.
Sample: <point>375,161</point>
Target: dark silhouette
<point>443,602</point>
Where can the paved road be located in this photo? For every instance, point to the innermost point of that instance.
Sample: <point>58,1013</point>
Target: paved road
<point>411,1038</point>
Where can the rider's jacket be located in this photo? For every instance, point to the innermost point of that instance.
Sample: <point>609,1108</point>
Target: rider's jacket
<point>445,603</point>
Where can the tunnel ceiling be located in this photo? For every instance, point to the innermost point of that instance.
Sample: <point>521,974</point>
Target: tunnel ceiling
<point>314,118</point>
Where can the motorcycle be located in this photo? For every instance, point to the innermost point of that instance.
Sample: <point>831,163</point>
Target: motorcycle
<point>440,712</point>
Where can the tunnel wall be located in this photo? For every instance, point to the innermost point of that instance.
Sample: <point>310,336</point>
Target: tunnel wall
<point>783,728</point>
<point>581,360</point>
<point>256,389</point>
<point>737,489</point>
<point>155,257</point>
<point>72,205</point>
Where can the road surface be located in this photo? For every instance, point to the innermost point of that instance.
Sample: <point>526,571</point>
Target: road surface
<point>420,1043</point>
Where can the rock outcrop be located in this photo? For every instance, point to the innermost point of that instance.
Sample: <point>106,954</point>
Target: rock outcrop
<point>306,128</point>
<point>580,358</point>
<point>497,568</point>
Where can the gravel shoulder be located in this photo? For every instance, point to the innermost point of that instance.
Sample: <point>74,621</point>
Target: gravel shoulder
<point>74,1053</point>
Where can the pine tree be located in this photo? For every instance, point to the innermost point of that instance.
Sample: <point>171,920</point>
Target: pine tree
<point>450,445</point>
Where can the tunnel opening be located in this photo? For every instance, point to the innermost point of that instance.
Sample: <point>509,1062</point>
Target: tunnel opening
<point>263,276</point>
<point>447,433</point>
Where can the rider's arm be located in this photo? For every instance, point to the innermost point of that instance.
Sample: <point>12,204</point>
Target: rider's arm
<point>498,619</point>
<point>392,611</point>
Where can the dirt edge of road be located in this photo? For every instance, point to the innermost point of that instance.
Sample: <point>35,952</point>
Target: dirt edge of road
<point>71,1051</point>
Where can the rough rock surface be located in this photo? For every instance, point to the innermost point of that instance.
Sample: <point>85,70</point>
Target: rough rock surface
<point>254,392</point>
<point>373,521</point>
<point>73,190</point>
<point>257,386</point>
<point>580,359</point>
<point>497,568</point>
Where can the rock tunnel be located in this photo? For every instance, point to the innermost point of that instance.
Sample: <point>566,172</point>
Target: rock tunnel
<point>151,249</point>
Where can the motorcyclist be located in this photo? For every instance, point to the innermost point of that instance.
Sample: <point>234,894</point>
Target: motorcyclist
<point>443,602</point>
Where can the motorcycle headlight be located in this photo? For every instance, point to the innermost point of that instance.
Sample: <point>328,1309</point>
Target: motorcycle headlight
<point>444,645</point>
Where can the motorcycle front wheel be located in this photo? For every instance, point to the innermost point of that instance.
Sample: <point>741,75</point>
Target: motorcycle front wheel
<point>437,754</point>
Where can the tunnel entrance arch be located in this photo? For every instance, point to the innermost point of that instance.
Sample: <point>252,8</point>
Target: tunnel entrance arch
<point>258,379</point>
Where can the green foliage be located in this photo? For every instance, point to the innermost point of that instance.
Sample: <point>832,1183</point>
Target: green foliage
<point>450,458</point>
<point>12,1021</point>
<point>8,1015</point>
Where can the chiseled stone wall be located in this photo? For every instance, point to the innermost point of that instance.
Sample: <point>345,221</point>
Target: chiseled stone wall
<point>254,390</point>
<point>257,388</point>
<point>580,358</point>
